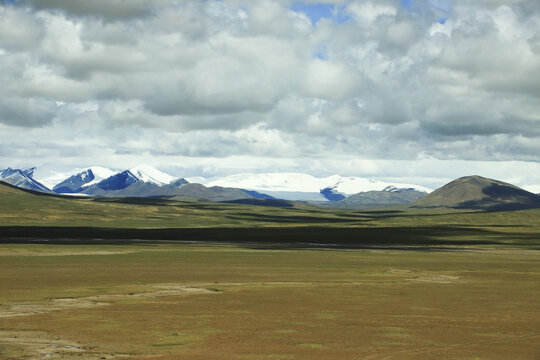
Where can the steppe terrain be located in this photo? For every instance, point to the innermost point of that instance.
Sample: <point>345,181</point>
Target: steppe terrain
<point>153,279</point>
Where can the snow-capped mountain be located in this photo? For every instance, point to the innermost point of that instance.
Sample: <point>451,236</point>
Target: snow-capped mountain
<point>146,181</point>
<point>78,182</point>
<point>149,181</point>
<point>118,181</point>
<point>23,179</point>
<point>286,186</point>
<point>297,186</point>
<point>106,179</point>
<point>99,173</point>
<point>147,173</point>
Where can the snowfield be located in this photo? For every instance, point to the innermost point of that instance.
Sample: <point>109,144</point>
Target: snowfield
<point>297,182</point>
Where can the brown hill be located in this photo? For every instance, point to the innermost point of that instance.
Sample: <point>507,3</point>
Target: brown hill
<point>477,192</point>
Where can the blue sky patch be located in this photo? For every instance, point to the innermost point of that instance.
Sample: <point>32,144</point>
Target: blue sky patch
<point>408,4</point>
<point>320,11</point>
<point>322,53</point>
<point>440,8</point>
<point>442,5</point>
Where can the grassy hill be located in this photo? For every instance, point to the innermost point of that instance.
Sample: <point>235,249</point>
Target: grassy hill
<point>25,214</point>
<point>476,192</point>
<point>23,207</point>
<point>376,199</point>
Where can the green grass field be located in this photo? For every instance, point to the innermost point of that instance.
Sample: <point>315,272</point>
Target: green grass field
<point>225,302</point>
<point>122,279</point>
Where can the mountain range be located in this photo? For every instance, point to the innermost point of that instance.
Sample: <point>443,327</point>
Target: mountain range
<point>142,181</point>
<point>278,189</point>
<point>146,181</point>
<point>304,187</point>
<point>78,182</point>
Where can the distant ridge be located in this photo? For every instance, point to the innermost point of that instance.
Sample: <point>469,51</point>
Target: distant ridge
<point>477,192</point>
<point>10,189</point>
<point>390,197</point>
<point>7,188</point>
<point>214,193</point>
<point>22,179</point>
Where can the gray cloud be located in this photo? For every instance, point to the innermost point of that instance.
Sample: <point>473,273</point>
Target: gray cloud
<point>19,30</point>
<point>108,9</point>
<point>26,112</point>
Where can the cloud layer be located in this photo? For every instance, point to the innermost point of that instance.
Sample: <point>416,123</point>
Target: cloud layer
<point>270,79</point>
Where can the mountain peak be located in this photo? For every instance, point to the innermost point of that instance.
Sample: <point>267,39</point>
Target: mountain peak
<point>100,171</point>
<point>150,174</point>
<point>83,179</point>
<point>22,179</point>
<point>141,177</point>
<point>29,172</point>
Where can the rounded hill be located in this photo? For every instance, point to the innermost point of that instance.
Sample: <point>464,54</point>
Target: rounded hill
<point>477,192</point>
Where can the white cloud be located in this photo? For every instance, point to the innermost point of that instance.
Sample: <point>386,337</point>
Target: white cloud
<point>329,80</point>
<point>367,12</point>
<point>19,30</point>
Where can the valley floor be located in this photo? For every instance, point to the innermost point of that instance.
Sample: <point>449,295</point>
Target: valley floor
<point>189,301</point>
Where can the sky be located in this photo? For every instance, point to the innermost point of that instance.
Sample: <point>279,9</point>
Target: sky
<point>422,91</point>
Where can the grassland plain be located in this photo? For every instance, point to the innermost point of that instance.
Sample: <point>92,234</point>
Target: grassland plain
<point>227,302</point>
<point>263,283</point>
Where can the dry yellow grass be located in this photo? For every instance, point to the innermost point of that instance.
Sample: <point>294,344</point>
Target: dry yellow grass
<point>198,302</point>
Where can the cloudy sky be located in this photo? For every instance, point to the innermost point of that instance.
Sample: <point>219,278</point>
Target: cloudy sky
<point>416,90</point>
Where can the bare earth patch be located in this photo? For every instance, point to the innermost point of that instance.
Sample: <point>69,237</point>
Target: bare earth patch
<point>422,276</point>
<point>40,345</point>
<point>435,278</point>
<point>26,252</point>
<point>7,311</point>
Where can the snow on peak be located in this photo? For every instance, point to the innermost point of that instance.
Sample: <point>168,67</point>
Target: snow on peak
<point>100,173</point>
<point>196,180</point>
<point>29,172</point>
<point>152,175</point>
<point>354,185</point>
<point>85,175</point>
